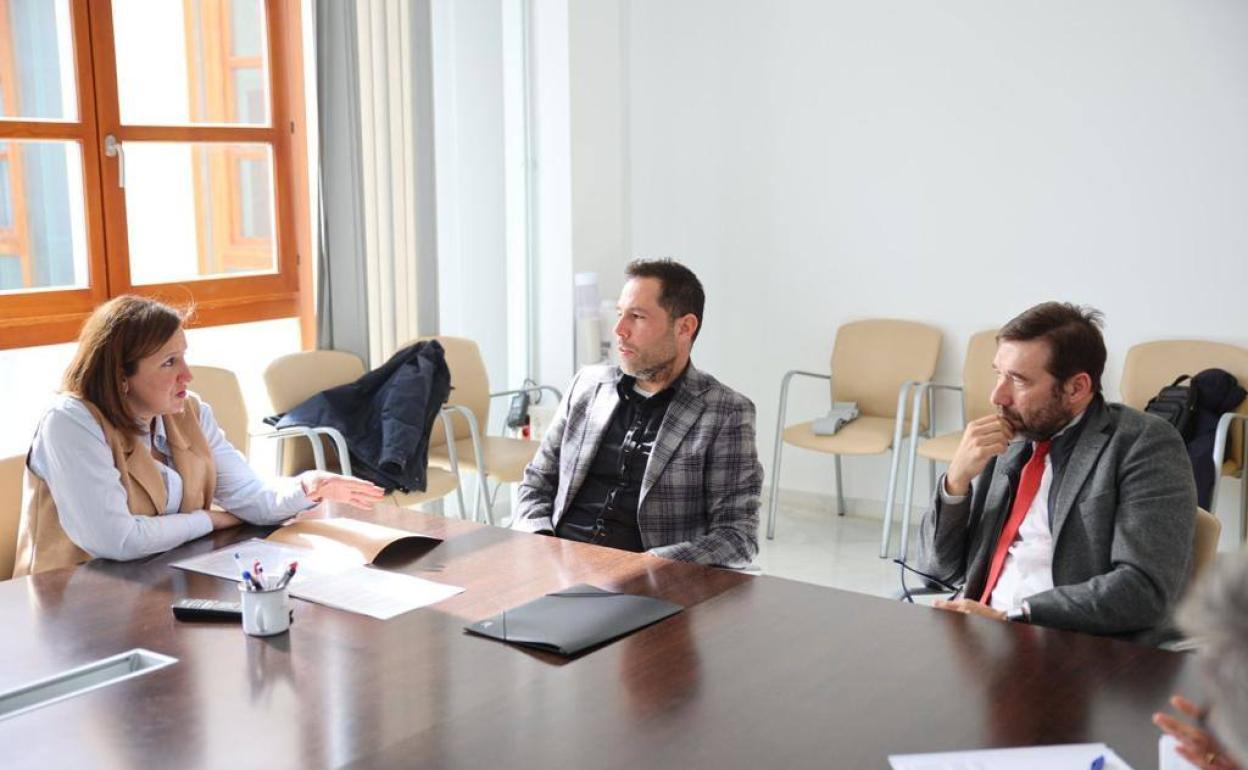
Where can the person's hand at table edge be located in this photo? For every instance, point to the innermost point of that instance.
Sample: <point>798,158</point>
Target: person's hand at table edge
<point>319,486</point>
<point>1196,744</point>
<point>969,607</point>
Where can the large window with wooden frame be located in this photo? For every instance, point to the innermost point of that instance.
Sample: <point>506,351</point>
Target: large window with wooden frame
<point>152,147</point>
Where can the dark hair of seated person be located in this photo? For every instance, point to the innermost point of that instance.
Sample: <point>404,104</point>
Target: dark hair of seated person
<point>116,336</point>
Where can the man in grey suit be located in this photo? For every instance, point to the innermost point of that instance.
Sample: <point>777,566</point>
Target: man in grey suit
<point>652,455</point>
<point>1082,513</point>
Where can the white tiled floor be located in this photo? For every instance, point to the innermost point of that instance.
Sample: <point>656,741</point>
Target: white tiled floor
<point>817,546</point>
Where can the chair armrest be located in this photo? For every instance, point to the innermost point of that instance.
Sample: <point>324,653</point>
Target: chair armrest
<point>530,389</point>
<point>790,374</point>
<point>474,431</point>
<point>784,394</point>
<point>448,426</point>
<point>939,386</point>
<point>310,432</point>
<point>1224,432</point>
<point>934,387</point>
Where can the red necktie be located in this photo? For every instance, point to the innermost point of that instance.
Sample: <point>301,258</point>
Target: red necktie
<point>1028,485</point>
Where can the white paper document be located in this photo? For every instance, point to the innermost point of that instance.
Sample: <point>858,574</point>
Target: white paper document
<point>334,581</point>
<point>1074,756</point>
<point>275,558</point>
<point>373,592</point>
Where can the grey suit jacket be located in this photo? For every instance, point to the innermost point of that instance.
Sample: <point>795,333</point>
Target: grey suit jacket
<point>700,490</point>
<point>1123,524</point>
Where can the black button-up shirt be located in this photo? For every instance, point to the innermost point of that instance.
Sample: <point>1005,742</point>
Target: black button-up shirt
<point>604,511</point>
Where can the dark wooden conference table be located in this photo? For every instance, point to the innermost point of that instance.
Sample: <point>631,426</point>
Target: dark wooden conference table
<point>756,672</point>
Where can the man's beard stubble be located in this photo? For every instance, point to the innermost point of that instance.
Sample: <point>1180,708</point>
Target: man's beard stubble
<point>1045,422</point>
<point>659,371</point>
<point>654,364</point>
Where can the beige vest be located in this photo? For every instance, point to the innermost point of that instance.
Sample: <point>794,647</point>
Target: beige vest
<point>43,545</point>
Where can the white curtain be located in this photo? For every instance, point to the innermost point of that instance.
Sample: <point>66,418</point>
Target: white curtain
<point>377,175</point>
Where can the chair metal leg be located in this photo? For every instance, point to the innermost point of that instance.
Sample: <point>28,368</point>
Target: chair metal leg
<point>840,492</point>
<point>484,498</point>
<point>1243,505</point>
<point>775,462</point>
<point>1221,438</point>
<point>909,494</point>
<point>476,496</point>
<point>931,433</point>
<point>1243,488</point>
<point>448,429</point>
<point>491,499</point>
<point>481,470</point>
<point>460,511</point>
<point>891,492</point>
<point>912,459</point>
<point>775,489</point>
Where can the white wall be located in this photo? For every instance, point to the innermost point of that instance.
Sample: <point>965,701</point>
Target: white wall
<point>953,162</point>
<point>468,141</point>
<point>599,95</point>
<point>552,188</point>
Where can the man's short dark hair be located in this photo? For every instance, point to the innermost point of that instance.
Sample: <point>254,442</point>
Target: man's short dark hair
<point>681,291</point>
<point>1073,333</point>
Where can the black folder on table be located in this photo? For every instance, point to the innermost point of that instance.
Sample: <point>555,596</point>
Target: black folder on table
<point>574,619</point>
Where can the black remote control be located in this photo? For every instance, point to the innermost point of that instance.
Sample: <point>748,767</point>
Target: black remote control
<point>207,609</point>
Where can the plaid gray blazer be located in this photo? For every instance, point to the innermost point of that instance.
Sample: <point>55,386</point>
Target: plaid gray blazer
<point>699,495</point>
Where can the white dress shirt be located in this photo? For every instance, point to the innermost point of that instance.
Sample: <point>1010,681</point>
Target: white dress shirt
<point>1028,567</point>
<point>71,455</point>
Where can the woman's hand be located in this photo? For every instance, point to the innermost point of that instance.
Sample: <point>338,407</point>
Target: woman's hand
<point>1196,745</point>
<point>223,520</point>
<point>320,485</point>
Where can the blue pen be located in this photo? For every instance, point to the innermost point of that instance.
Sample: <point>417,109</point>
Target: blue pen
<point>251,582</point>
<point>1098,763</point>
<point>239,561</point>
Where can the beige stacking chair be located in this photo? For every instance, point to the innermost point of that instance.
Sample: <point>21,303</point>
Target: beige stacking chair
<point>1150,366</point>
<point>292,379</point>
<point>875,363</point>
<point>1205,545</point>
<point>500,458</point>
<point>219,389</point>
<point>12,475</point>
<point>978,381</point>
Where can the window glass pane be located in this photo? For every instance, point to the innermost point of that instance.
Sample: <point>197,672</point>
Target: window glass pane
<point>249,95</point>
<point>191,213</point>
<point>253,200</point>
<point>37,61</point>
<point>42,219</point>
<point>10,271</point>
<point>247,27</point>
<point>6,191</point>
<point>176,61</point>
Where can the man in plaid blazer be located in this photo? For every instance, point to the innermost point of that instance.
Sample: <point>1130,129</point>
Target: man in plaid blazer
<point>652,455</point>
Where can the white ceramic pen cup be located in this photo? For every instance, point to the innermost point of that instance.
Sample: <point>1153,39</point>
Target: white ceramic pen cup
<point>266,612</point>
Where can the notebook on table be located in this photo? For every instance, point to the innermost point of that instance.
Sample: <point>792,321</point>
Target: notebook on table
<point>575,619</point>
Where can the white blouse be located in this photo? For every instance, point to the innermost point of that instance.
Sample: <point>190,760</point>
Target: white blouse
<point>72,456</point>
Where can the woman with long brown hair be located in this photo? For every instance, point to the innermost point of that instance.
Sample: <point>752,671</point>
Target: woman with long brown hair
<point>128,462</point>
